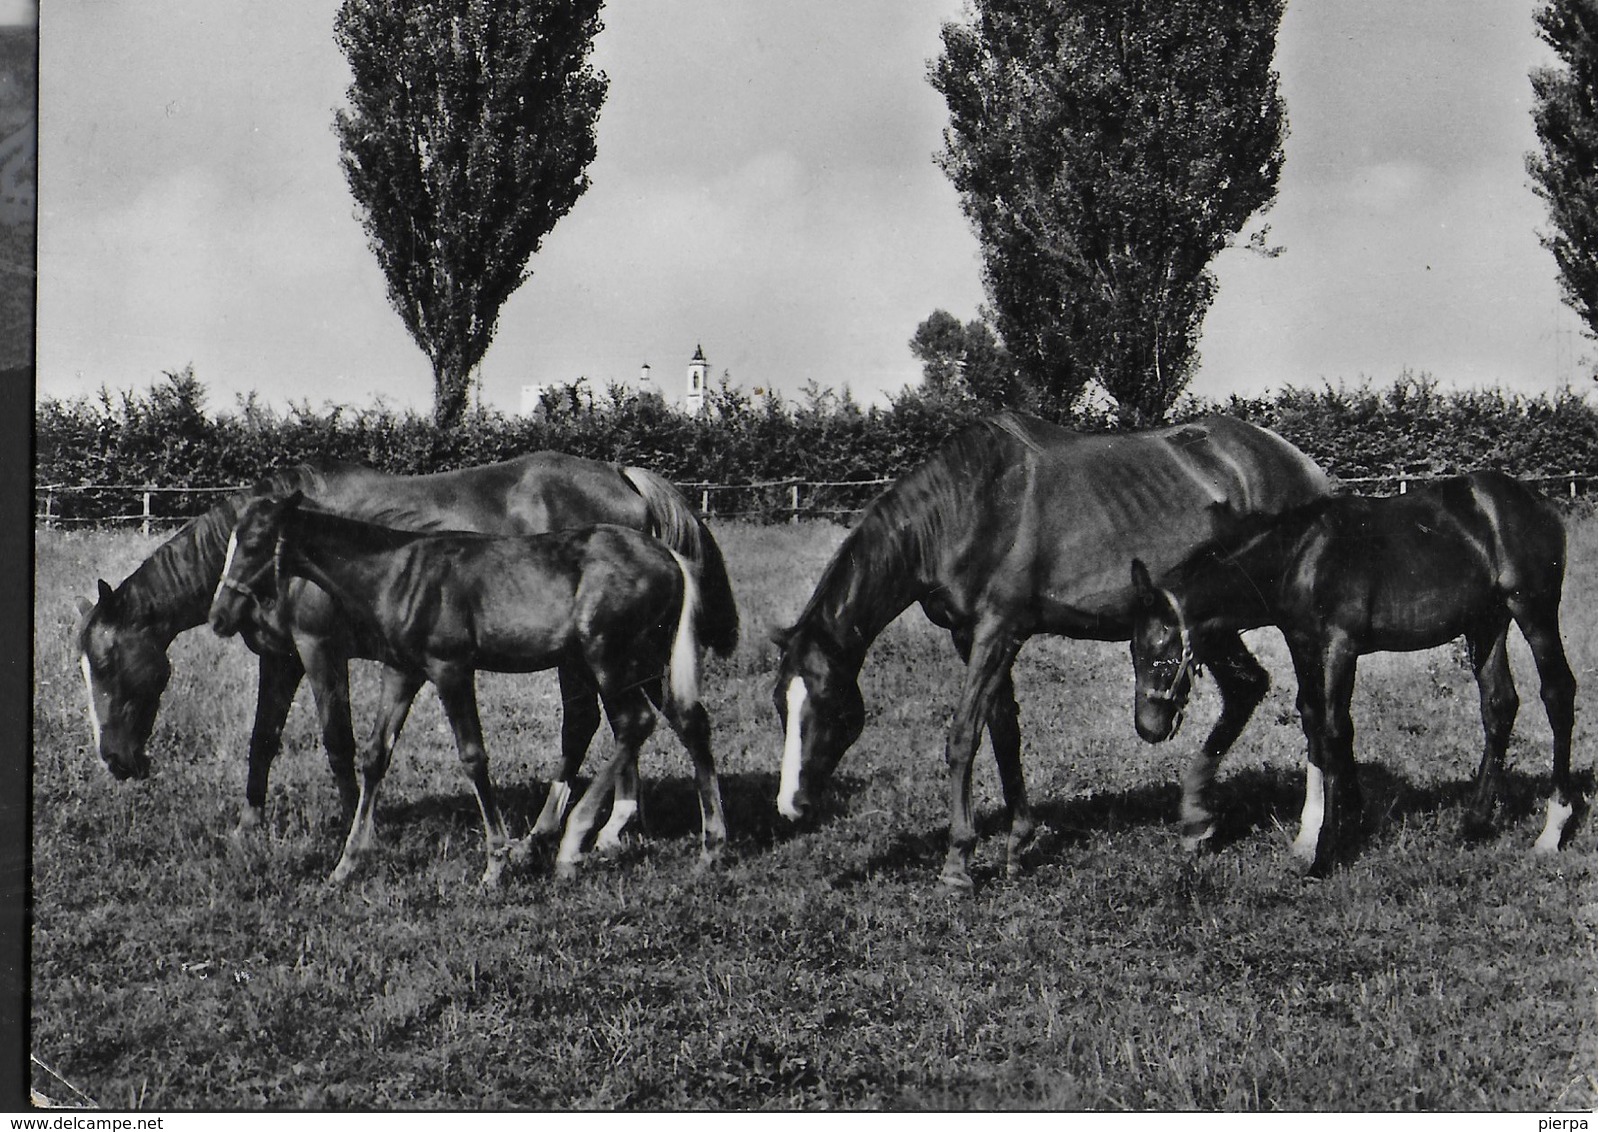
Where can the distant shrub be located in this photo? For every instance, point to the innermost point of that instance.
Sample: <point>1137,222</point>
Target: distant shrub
<point>165,436</point>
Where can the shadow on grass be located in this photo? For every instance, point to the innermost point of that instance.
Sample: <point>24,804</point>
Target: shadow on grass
<point>670,808</point>
<point>1248,802</point>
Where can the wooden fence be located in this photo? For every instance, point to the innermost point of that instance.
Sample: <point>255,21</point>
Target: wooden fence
<point>769,501</point>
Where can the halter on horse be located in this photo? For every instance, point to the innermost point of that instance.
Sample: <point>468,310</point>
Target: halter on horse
<point>1345,577</point>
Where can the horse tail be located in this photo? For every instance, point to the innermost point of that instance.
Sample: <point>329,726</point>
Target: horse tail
<point>674,522</point>
<point>683,669</point>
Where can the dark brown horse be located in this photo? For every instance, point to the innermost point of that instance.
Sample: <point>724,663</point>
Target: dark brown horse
<point>609,602</point>
<point>1344,577</point>
<point>123,638</point>
<point>1017,527</point>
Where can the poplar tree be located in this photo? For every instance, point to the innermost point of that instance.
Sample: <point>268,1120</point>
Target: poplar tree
<point>1105,152</point>
<point>1565,172</point>
<point>468,134</point>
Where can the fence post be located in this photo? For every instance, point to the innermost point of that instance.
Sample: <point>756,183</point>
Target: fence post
<point>49,508</point>
<point>144,527</point>
<point>1403,487</point>
<point>1572,483</point>
<point>793,498</point>
<point>704,501</point>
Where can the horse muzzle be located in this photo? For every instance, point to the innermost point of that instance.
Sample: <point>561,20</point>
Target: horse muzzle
<point>124,766</point>
<point>1157,721</point>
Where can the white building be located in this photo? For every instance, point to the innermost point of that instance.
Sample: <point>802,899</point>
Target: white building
<point>698,375</point>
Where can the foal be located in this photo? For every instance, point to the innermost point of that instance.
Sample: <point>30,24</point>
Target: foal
<point>439,607</point>
<point>1348,576</point>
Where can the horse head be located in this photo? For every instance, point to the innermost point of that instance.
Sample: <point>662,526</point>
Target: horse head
<point>817,695</point>
<point>1162,659</point>
<point>250,573</point>
<point>125,670</point>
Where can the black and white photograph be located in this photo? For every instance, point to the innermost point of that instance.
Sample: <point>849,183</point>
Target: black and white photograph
<point>855,556</point>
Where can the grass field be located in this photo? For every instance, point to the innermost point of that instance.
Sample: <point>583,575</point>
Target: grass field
<point>175,967</point>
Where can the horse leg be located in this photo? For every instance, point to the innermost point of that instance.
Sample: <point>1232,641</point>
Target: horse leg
<point>579,719</point>
<point>1540,626</point>
<point>1004,732</point>
<point>1489,657</point>
<point>623,807</point>
<point>631,721</point>
<point>1242,684</point>
<point>457,694</point>
<point>274,695</point>
<point>692,725</point>
<point>1331,789</point>
<point>992,653</point>
<point>1310,712</point>
<point>329,675</point>
<point>399,690</point>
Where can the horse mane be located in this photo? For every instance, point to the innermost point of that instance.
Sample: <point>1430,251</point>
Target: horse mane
<point>176,581</point>
<point>907,524</point>
<point>377,531</point>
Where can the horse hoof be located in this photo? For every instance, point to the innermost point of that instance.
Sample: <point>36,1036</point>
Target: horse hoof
<point>566,871</point>
<point>251,819</point>
<point>1198,840</point>
<point>956,881</point>
<point>1321,867</point>
<point>518,851</point>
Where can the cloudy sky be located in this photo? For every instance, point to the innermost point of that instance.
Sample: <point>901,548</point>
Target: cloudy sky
<point>764,187</point>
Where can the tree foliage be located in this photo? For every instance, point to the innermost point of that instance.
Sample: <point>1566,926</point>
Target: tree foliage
<point>1106,151</point>
<point>967,361</point>
<point>1565,172</point>
<point>468,132</point>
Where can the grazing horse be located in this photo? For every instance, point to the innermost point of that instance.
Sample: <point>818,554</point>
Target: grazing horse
<point>122,640</point>
<point>609,601</point>
<point>1349,576</point>
<point>1017,527</point>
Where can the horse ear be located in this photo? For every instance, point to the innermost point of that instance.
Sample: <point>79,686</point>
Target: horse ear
<point>1141,582</point>
<point>781,636</point>
<point>85,607</point>
<point>107,596</point>
<point>288,503</point>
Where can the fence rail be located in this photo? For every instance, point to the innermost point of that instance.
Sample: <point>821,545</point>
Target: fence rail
<point>782,500</point>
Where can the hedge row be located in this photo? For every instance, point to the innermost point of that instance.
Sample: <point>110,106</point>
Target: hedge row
<point>166,437</point>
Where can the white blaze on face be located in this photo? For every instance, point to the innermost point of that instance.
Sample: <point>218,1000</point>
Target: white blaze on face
<point>1309,822</point>
<point>792,750</point>
<point>227,565</point>
<point>94,713</point>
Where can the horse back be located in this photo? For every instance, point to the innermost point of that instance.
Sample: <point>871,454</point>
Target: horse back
<point>532,494</point>
<point>1418,569</point>
<point>1101,501</point>
<point>521,604</point>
